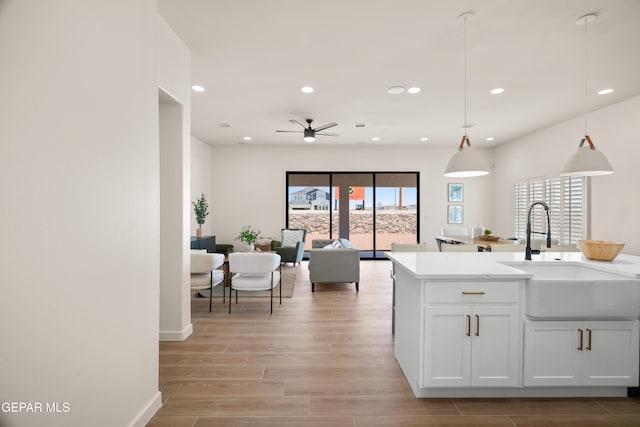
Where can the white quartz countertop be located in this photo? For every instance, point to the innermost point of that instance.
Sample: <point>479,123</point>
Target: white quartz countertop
<point>490,265</point>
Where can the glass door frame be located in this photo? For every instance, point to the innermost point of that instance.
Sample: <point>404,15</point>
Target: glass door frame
<point>373,253</point>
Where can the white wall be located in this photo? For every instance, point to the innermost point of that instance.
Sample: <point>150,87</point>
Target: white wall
<point>80,220</point>
<point>615,207</point>
<point>202,174</point>
<point>174,77</point>
<point>253,190</point>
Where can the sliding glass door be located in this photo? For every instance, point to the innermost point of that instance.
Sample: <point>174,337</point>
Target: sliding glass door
<point>371,209</point>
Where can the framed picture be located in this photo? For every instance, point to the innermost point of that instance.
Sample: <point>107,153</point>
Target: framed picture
<point>456,193</point>
<point>455,214</point>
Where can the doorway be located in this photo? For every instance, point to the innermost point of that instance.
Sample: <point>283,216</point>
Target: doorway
<point>371,209</point>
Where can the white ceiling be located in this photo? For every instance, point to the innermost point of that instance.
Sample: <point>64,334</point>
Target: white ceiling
<point>253,56</point>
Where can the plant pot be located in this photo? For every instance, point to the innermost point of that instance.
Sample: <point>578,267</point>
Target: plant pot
<point>199,232</point>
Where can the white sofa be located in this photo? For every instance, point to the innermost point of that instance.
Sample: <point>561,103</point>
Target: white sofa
<point>339,263</point>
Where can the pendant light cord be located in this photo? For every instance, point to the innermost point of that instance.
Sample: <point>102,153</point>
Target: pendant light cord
<point>465,76</point>
<point>585,76</point>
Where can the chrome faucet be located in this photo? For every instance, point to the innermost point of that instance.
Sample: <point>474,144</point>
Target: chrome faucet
<point>527,250</point>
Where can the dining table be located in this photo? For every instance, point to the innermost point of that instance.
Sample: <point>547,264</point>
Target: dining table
<point>484,244</point>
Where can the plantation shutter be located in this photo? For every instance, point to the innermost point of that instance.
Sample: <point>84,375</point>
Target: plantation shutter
<point>566,198</point>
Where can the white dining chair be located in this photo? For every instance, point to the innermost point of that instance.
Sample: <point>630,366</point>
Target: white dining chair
<point>454,231</point>
<point>205,273</point>
<point>408,247</point>
<point>448,247</point>
<point>254,271</point>
<point>507,248</point>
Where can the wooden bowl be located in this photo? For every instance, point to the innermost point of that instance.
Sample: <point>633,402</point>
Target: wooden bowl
<point>600,250</point>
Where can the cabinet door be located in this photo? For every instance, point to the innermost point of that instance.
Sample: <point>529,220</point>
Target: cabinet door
<point>610,355</point>
<point>551,355</point>
<point>494,350</point>
<point>446,360</point>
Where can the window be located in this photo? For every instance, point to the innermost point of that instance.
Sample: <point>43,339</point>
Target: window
<point>372,209</point>
<point>566,197</point>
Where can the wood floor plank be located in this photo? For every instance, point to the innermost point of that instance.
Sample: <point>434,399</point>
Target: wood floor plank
<point>212,372</point>
<point>577,421</point>
<point>352,387</point>
<point>275,422</point>
<point>208,388</point>
<point>202,358</point>
<point>236,406</point>
<point>529,406</point>
<point>433,420</point>
<point>380,405</point>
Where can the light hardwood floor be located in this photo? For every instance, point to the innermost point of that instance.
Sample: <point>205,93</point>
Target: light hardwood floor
<point>326,359</point>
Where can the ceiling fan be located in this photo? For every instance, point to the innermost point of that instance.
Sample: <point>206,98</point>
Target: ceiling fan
<point>309,132</point>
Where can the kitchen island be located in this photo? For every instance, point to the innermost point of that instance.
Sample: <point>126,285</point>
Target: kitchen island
<point>494,325</point>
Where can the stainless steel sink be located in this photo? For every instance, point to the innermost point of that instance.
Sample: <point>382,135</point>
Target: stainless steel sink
<point>575,290</point>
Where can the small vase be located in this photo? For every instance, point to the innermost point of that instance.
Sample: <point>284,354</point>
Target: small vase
<point>251,247</point>
<point>199,232</point>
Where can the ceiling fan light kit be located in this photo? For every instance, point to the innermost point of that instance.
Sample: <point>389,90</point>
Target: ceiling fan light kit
<point>466,163</point>
<point>309,133</point>
<point>587,160</point>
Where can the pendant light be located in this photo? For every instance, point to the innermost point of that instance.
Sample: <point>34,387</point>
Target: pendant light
<point>466,162</point>
<point>587,160</point>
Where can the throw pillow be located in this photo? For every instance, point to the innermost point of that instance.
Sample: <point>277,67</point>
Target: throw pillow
<point>347,244</point>
<point>333,245</point>
<point>291,237</point>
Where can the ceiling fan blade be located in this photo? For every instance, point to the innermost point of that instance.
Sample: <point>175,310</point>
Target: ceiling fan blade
<point>328,134</point>
<point>295,121</point>
<point>292,131</point>
<point>327,126</point>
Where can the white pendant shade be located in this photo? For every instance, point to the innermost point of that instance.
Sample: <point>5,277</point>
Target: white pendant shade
<point>466,163</point>
<point>587,161</point>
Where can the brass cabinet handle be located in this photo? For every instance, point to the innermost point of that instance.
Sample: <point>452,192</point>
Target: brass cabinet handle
<point>468,325</point>
<point>472,293</point>
<point>581,332</point>
<point>477,325</point>
<point>588,339</point>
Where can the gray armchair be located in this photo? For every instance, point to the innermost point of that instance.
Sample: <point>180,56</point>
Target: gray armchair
<point>335,265</point>
<point>291,247</point>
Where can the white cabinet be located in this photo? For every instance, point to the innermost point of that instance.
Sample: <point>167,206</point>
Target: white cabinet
<point>573,353</point>
<point>470,345</point>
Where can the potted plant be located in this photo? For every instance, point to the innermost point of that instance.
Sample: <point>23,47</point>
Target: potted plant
<point>248,236</point>
<point>201,209</point>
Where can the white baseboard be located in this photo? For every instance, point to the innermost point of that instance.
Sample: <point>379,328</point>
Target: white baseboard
<point>148,411</point>
<point>177,335</point>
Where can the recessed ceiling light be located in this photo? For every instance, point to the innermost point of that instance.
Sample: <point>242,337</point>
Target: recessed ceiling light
<point>375,138</point>
<point>413,90</point>
<point>197,88</point>
<point>424,138</point>
<point>247,138</point>
<point>490,138</point>
<point>497,91</point>
<point>395,90</point>
<point>605,91</point>
<point>307,89</point>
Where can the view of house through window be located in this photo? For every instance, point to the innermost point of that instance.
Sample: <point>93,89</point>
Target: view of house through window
<point>371,209</point>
